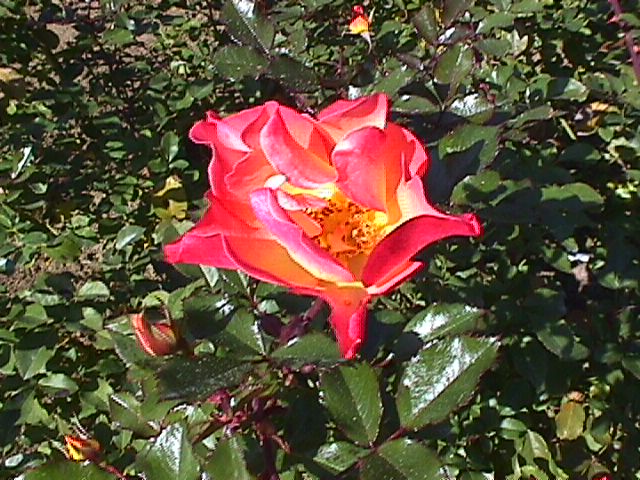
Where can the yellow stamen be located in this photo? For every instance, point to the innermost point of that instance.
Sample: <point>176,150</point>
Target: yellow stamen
<point>348,229</point>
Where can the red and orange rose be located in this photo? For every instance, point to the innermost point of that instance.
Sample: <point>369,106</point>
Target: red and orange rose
<point>332,206</point>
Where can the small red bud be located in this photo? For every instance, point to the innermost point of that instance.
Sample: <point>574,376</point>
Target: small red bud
<point>602,476</point>
<point>155,339</point>
<point>80,449</point>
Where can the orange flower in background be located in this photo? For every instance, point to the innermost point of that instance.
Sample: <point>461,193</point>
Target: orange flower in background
<point>80,449</point>
<point>156,339</point>
<point>360,24</point>
<point>332,206</point>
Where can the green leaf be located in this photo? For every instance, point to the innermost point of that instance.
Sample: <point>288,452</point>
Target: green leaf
<point>118,36</point>
<point>128,235</point>
<point>130,353</point>
<point>453,8</point>
<point>441,377</point>
<point>426,23</point>
<point>59,383</point>
<point>401,459</point>
<point>415,104</point>
<point>568,89</point>
<point>352,396</point>
<point>211,275</point>
<point>312,348</point>
<point>467,136</point>
<point>338,456</point>
<point>93,290</point>
<point>243,336</point>
<point>227,461</point>
<point>170,144</point>
<point>126,410</point>
<point>454,65</point>
<point>200,89</point>
<point>444,319</point>
<point>68,470</point>
<point>585,193</point>
<point>247,26</point>
<point>170,456</point>
<point>496,20</point>
<point>293,73</point>
<point>559,339</point>
<point>197,378</point>
<point>236,62</point>
<point>32,362</point>
<point>632,363</point>
<point>570,421</point>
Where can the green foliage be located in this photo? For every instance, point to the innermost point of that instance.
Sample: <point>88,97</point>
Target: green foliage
<point>514,356</point>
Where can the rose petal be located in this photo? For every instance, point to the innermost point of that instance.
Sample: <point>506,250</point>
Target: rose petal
<point>303,167</point>
<point>199,251</point>
<point>345,116</point>
<point>291,236</point>
<point>359,159</point>
<point>244,174</point>
<point>269,261</point>
<point>348,316</point>
<point>416,158</point>
<point>395,278</point>
<point>203,243</point>
<point>408,239</point>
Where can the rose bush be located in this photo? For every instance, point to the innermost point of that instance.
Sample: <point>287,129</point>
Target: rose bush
<point>332,207</point>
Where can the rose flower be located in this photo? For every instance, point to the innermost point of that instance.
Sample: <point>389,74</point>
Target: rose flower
<point>332,207</point>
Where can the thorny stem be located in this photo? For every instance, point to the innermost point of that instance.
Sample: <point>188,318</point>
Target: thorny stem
<point>114,471</point>
<point>270,470</point>
<point>628,40</point>
<point>315,309</point>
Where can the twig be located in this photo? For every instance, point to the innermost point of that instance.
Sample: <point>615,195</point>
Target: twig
<point>315,309</point>
<point>628,40</point>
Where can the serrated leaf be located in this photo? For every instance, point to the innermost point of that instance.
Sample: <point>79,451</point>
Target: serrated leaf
<point>126,410</point>
<point>559,339</point>
<point>467,136</point>
<point>570,421</point>
<point>227,461</point>
<point>118,36</point>
<point>236,62</point>
<point>67,470</point>
<point>131,353</point>
<point>128,235</point>
<point>211,275</point>
<point>93,289</point>
<point>352,396</point>
<point>475,107</point>
<point>453,8</point>
<point>293,73</point>
<point>426,23</point>
<point>242,336</point>
<point>441,377</point>
<point>170,144</point>
<point>312,348</point>
<point>454,65</point>
<point>197,378</point>
<point>415,104</point>
<point>338,456</point>
<point>32,362</point>
<point>170,456</point>
<point>60,383</point>
<point>247,26</point>
<point>444,319</point>
<point>568,88</point>
<point>585,193</point>
<point>401,459</point>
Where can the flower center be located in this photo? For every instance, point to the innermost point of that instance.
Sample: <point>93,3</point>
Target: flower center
<point>348,229</point>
